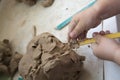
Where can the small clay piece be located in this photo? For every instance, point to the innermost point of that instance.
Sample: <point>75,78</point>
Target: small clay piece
<point>47,3</point>
<point>34,31</point>
<point>74,44</point>
<point>44,3</point>
<point>28,2</point>
<point>8,60</point>
<point>88,46</point>
<point>49,59</point>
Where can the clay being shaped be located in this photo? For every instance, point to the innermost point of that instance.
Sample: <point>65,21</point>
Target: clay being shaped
<point>47,58</point>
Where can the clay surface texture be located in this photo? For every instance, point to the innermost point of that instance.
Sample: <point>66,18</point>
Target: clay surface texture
<point>49,59</point>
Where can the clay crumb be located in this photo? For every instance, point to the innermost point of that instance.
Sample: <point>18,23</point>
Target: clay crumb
<point>47,3</point>
<point>28,2</point>
<point>44,3</point>
<point>34,31</point>
<point>23,23</point>
<point>66,8</point>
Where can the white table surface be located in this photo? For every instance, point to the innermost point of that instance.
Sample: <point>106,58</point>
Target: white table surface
<point>112,70</point>
<point>17,21</point>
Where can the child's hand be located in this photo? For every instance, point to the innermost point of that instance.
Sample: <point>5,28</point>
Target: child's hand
<point>82,22</point>
<point>104,47</point>
<point>92,17</point>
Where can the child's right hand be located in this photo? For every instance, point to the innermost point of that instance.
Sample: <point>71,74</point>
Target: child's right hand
<point>105,48</point>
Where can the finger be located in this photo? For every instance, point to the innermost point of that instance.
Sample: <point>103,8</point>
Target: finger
<point>107,32</point>
<point>94,34</point>
<point>72,25</point>
<point>102,33</point>
<point>98,38</point>
<point>94,47</point>
<point>82,36</point>
<point>77,30</point>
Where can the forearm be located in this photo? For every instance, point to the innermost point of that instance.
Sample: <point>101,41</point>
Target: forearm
<point>107,8</point>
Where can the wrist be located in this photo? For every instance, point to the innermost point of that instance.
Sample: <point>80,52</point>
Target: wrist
<point>117,56</point>
<point>106,8</point>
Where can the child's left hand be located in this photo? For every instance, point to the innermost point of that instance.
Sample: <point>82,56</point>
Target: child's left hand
<point>104,47</point>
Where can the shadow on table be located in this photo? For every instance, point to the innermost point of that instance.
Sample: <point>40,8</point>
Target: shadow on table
<point>85,75</point>
<point>4,77</point>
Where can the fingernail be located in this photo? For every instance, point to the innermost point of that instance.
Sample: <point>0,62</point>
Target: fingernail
<point>73,35</point>
<point>107,32</point>
<point>102,33</point>
<point>95,33</point>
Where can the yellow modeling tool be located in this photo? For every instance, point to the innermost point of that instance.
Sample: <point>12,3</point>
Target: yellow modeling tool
<point>92,40</point>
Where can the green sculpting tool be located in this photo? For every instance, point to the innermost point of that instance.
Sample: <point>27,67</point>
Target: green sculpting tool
<point>20,78</point>
<point>67,21</point>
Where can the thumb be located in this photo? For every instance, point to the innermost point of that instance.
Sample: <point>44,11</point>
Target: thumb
<point>94,46</point>
<point>95,49</point>
<point>98,38</point>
